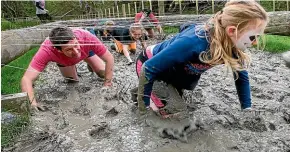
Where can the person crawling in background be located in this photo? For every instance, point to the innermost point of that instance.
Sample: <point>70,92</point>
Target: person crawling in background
<point>149,21</point>
<point>181,60</point>
<point>125,39</point>
<point>103,32</point>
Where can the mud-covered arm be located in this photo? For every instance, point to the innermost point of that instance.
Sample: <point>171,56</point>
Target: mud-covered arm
<point>243,89</point>
<point>162,62</point>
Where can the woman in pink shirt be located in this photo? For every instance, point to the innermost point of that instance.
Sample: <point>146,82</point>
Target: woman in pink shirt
<point>68,47</point>
<point>149,21</point>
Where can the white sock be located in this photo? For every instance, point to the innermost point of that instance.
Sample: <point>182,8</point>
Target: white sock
<point>129,59</point>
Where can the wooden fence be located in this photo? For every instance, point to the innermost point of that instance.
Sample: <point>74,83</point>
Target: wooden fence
<point>130,9</point>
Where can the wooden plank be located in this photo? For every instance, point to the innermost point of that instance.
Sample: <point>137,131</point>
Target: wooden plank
<point>124,10</point>
<point>180,7</point>
<point>273,5</point>
<point>129,11</point>
<point>135,4</point>
<point>18,102</point>
<point>12,97</point>
<point>212,6</point>
<point>196,3</point>
<point>287,3</point>
<point>160,7</point>
<point>118,13</point>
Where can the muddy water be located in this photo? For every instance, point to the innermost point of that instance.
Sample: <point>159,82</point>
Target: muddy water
<point>84,117</point>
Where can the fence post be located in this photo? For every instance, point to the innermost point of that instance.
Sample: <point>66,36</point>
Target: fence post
<point>129,11</point>
<point>160,7</point>
<point>196,3</point>
<point>124,10</point>
<point>287,2</point>
<point>142,4</point>
<point>102,14</point>
<point>180,7</point>
<point>135,4</point>
<point>212,6</point>
<point>118,11</point>
<point>273,5</point>
<point>105,13</point>
<point>150,4</point>
<point>99,15</point>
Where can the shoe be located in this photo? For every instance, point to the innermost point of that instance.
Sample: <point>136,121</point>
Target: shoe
<point>134,95</point>
<point>247,109</point>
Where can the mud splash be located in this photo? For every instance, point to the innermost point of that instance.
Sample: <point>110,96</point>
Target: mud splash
<point>83,117</point>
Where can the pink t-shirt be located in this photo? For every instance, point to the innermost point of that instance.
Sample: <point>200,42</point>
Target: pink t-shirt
<point>47,52</point>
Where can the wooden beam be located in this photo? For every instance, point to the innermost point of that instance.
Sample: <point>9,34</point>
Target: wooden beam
<point>14,97</point>
<point>18,102</point>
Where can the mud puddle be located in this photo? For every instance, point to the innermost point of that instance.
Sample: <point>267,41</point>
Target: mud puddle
<point>83,117</point>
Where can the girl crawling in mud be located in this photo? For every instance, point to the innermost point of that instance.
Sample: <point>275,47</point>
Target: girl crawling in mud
<point>181,60</point>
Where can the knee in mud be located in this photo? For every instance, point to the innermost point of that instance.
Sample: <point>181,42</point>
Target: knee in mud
<point>134,95</point>
<point>101,73</point>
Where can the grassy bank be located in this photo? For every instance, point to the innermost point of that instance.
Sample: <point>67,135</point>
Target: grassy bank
<point>11,76</point>
<point>10,83</point>
<point>274,43</point>
<point>7,25</point>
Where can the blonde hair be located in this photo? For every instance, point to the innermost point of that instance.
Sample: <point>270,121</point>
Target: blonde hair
<point>136,26</point>
<point>235,13</point>
<point>109,23</point>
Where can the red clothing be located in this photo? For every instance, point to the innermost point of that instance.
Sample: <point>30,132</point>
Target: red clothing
<point>151,18</point>
<point>47,52</point>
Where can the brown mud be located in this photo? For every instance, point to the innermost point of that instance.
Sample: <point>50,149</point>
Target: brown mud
<point>84,117</point>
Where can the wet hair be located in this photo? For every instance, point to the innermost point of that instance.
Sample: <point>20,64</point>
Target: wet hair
<point>136,26</point>
<point>222,50</point>
<point>109,23</point>
<point>146,11</point>
<point>60,35</point>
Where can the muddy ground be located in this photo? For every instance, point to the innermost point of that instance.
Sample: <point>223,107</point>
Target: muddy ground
<point>83,117</point>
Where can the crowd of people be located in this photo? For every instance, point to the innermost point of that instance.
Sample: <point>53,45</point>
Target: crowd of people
<point>179,61</point>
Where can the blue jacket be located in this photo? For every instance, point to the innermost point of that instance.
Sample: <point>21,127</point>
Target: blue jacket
<point>180,56</point>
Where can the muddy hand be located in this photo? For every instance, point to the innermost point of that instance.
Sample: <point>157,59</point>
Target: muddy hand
<point>104,90</point>
<point>38,107</point>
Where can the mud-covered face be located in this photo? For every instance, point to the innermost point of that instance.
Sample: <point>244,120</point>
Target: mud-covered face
<point>247,40</point>
<point>136,35</point>
<point>248,37</point>
<point>72,49</point>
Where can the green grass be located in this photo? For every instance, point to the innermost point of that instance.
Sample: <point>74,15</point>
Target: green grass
<point>170,29</point>
<point>10,83</point>
<point>277,44</point>
<point>7,25</point>
<point>10,131</point>
<point>11,77</point>
<point>274,43</point>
